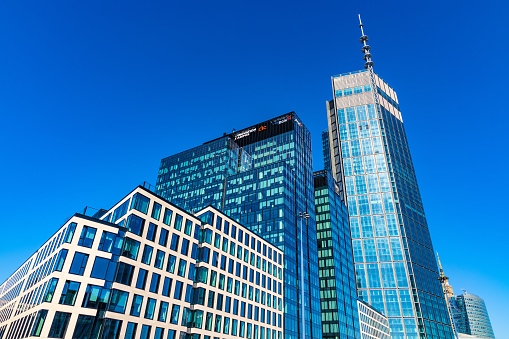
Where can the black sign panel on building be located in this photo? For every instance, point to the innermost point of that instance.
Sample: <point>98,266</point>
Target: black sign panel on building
<point>264,130</point>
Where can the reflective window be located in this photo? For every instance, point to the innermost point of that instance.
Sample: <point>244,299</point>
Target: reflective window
<point>79,263</point>
<point>110,243</point>
<point>87,236</point>
<point>59,325</point>
<point>140,203</point>
<point>136,305</point>
<point>118,301</point>
<point>131,248</point>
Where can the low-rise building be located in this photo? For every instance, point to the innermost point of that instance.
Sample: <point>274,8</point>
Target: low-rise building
<point>147,269</point>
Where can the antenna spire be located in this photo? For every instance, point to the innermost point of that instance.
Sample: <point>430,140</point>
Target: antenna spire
<point>365,48</point>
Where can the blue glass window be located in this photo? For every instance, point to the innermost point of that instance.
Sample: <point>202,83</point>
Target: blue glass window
<point>87,236</point>
<point>182,268</point>
<point>170,267</point>
<point>103,269</point>
<point>174,242</point>
<point>147,254</point>
<point>118,301</point>
<point>125,273</point>
<point>159,260</point>
<point>177,294</point>
<point>136,305</point>
<point>149,308</point>
<point>145,332</point>
<point>70,232</point>
<point>175,314</point>
<point>120,211</point>
<point>156,210</point>
<point>154,283</point>
<point>142,279</point>
<point>163,237</point>
<point>95,296</point>
<point>79,263</point>
<point>69,293</point>
<point>177,224</point>
<point>151,233</point>
<point>131,248</point>
<point>130,332</point>
<point>110,243</point>
<point>61,260</point>
<point>166,287</point>
<point>135,224</point>
<point>140,203</point>
<point>167,216</point>
<point>163,311</point>
<point>59,325</point>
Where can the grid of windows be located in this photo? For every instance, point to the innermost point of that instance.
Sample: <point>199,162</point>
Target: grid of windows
<point>233,284</point>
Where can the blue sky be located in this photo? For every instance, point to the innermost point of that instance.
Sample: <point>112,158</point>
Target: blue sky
<point>93,95</point>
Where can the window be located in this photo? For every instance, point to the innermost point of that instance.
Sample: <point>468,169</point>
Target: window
<point>149,308</point>
<point>151,233</point>
<point>70,232</point>
<point>142,279</point>
<point>189,227</point>
<point>59,325</point>
<point>154,283</point>
<point>182,268</point>
<point>51,290</point>
<point>178,290</point>
<point>87,236</point>
<point>39,323</point>
<point>83,325</point>
<point>79,263</point>
<point>120,211</point>
<point>61,260</point>
<point>69,293</point>
<point>145,332</point>
<point>110,243</point>
<point>156,211</point>
<point>147,254</point>
<point>125,274</point>
<point>159,260</point>
<point>135,224</point>
<point>166,287</point>
<point>175,314</point>
<point>170,267</point>
<point>136,305</point>
<point>140,203</point>
<point>163,311</point>
<point>118,301</point>
<point>177,224</point>
<point>185,246</point>
<point>130,332</point>
<point>189,293</point>
<point>174,242</point>
<point>131,248</point>
<point>163,237</point>
<point>210,300</point>
<point>167,216</point>
<point>96,297</point>
<point>103,269</point>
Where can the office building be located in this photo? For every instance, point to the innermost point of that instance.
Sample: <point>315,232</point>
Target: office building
<point>370,158</point>
<point>471,316</point>
<point>338,297</point>
<point>262,177</point>
<point>373,324</point>
<point>147,269</point>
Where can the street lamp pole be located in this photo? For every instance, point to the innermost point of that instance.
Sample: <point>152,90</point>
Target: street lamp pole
<point>302,216</point>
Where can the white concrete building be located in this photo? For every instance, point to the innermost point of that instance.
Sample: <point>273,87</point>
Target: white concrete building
<point>147,269</point>
<point>373,324</point>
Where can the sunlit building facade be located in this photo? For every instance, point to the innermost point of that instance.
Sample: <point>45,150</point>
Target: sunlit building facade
<point>373,324</point>
<point>146,269</point>
<point>396,271</point>
<point>262,177</point>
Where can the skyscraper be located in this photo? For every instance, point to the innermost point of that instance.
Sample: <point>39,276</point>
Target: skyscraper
<point>471,316</point>
<point>335,261</point>
<point>262,177</point>
<point>395,267</point>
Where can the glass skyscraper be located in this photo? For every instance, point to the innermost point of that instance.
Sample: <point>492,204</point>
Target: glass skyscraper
<point>471,316</point>
<point>262,177</point>
<point>335,260</point>
<point>395,266</point>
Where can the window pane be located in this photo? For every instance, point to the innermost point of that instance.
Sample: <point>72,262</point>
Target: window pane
<point>59,325</point>
<point>118,301</point>
<point>69,293</point>
<point>87,236</point>
<point>79,263</point>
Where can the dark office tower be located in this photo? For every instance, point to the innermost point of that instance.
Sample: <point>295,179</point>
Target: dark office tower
<point>262,177</point>
<point>394,259</point>
<point>335,261</point>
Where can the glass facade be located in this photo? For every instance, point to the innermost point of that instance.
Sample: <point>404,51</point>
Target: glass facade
<point>335,261</point>
<point>261,177</point>
<point>395,266</point>
<point>471,316</point>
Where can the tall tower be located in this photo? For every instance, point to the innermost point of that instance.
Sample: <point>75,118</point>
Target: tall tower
<point>471,316</point>
<point>262,177</point>
<point>396,271</point>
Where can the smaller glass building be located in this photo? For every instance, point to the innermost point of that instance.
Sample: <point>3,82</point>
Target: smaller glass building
<point>470,315</point>
<point>338,297</point>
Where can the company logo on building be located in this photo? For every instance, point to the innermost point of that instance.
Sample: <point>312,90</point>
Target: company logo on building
<point>261,128</point>
<point>282,120</point>
<point>244,133</point>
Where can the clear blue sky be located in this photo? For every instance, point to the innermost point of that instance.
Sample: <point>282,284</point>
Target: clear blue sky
<point>94,94</point>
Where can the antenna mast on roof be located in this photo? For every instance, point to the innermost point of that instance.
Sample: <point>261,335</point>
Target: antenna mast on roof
<point>365,49</point>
